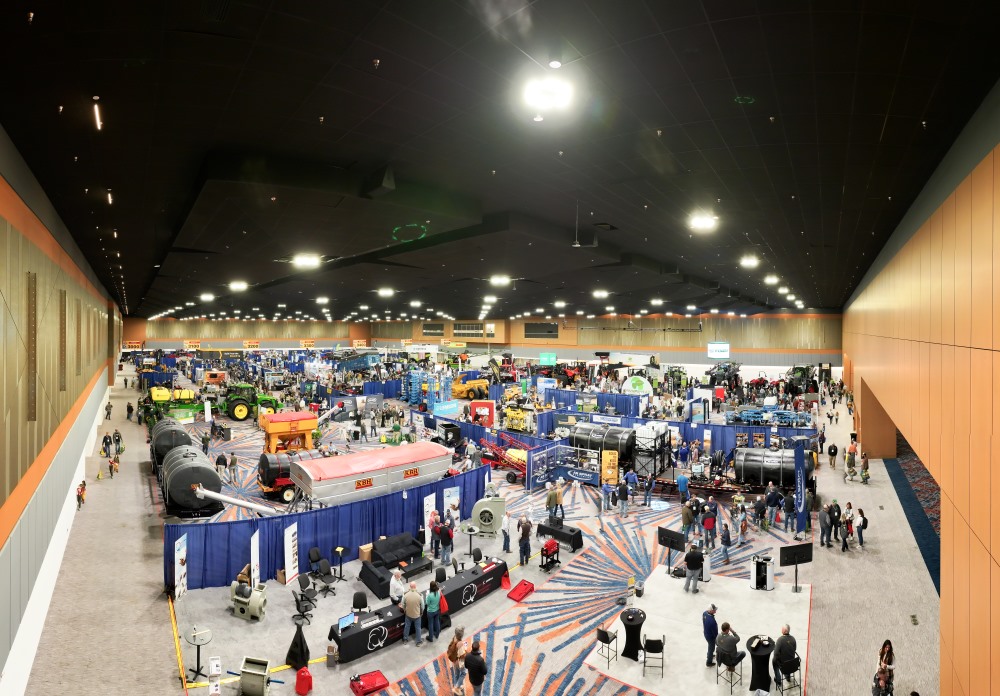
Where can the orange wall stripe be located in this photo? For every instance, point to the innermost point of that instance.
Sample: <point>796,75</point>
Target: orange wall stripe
<point>12,510</point>
<point>24,220</point>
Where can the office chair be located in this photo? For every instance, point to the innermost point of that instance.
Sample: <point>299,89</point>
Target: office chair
<point>477,555</point>
<point>302,607</point>
<point>791,676</point>
<point>314,557</point>
<point>440,575</point>
<point>326,576</point>
<point>360,602</point>
<point>652,653</point>
<point>606,638</point>
<point>306,589</point>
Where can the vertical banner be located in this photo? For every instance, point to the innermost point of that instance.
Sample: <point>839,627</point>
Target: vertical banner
<point>291,552</point>
<point>451,502</point>
<point>706,439</point>
<point>609,466</point>
<point>208,411</point>
<point>180,567</point>
<point>255,559</point>
<point>428,509</point>
<point>802,515</point>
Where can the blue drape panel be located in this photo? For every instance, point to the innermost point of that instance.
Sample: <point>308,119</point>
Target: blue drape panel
<point>218,551</point>
<point>496,391</point>
<point>390,388</point>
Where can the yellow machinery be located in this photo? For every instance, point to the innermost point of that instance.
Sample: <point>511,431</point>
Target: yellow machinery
<point>520,419</point>
<point>161,395</point>
<point>470,389</point>
<point>289,431</point>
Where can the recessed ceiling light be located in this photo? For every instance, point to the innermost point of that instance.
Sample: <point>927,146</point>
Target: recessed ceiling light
<point>790,297</point>
<point>579,312</point>
<point>206,297</point>
<point>189,304</point>
<point>538,118</point>
<point>499,280</point>
<point>643,311</point>
<point>688,316</point>
<point>590,316</point>
<point>703,222</point>
<point>559,303</point>
<point>656,302</point>
<point>548,93</point>
<point>306,260</point>
<point>783,290</point>
<point>714,310</point>
<point>732,314</point>
<point>600,294</point>
<point>743,316</point>
<point>751,261</point>
<point>490,299</point>
<point>691,307</point>
<point>322,300</point>
<point>386,292</point>
<point>363,307</point>
<point>539,310</point>
<point>609,308</point>
<point>238,285</point>
<point>415,303</point>
<point>770,279</point>
<point>555,63</point>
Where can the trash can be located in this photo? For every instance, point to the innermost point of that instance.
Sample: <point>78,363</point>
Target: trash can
<point>640,587</point>
<point>227,433</point>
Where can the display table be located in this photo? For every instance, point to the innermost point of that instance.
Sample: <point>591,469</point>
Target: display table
<point>198,638</point>
<point>633,619</point>
<point>565,534</point>
<point>377,629</point>
<point>760,674</point>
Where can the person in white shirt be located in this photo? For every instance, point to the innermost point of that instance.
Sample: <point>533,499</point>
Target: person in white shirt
<point>397,588</point>
<point>506,526</point>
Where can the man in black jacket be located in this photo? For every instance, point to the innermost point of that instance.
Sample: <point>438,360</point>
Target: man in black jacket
<point>789,511</point>
<point>784,653</point>
<point>476,666</point>
<point>832,451</point>
<point>693,561</point>
<point>835,519</point>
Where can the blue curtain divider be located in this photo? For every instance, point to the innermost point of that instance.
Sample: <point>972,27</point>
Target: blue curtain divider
<point>217,551</point>
<point>170,362</point>
<point>389,389</point>
<point>496,391</point>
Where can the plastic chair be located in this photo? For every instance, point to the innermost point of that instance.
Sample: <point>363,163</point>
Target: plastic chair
<point>440,575</point>
<point>360,602</point>
<point>652,653</point>
<point>477,555</point>
<point>791,676</point>
<point>606,639</point>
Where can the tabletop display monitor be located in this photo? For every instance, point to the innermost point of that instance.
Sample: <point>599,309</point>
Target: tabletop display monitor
<point>796,553</point>
<point>345,621</point>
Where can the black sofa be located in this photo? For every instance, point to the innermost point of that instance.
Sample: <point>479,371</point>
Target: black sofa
<point>376,578</point>
<point>388,552</point>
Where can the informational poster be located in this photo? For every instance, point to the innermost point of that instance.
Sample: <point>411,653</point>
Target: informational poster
<point>609,466</point>
<point>758,440</point>
<point>452,502</point>
<point>742,440</point>
<point>291,552</point>
<point>544,383</point>
<point>706,438</point>
<point>547,359</point>
<point>428,509</point>
<point>180,567</point>
<point>208,411</point>
<point>255,559</point>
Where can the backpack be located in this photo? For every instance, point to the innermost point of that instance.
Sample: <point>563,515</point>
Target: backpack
<point>864,523</point>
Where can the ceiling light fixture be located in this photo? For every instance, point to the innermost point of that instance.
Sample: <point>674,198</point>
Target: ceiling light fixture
<point>238,285</point>
<point>771,279</point>
<point>548,93</point>
<point>538,118</point>
<point>306,260</point>
<point>703,222</point>
<point>790,297</point>
<point>415,303</point>
<point>590,316</point>
<point>555,63</point>
<point>499,280</point>
<point>322,300</point>
<point>609,308</point>
<point>600,294</point>
<point>363,307</point>
<point>743,316</point>
<point>490,299</point>
<point>386,292</point>
<point>783,290</point>
<point>97,115</point>
<point>749,261</point>
<point>691,307</point>
<point>714,310</point>
<point>206,297</point>
<point>731,313</point>
<point>656,302</point>
<point>110,199</point>
<point>559,304</point>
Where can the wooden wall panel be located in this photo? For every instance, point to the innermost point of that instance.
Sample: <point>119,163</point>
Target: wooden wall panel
<point>981,222</point>
<point>947,605</point>
<point>963,622</point>
<point>963,263</point>
<point>963,415</point>
<point>947,215</point>
<point>979,629</point>
<point>982,423</point>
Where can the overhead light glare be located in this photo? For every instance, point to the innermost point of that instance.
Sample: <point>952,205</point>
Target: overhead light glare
<point>490,299</point>
<point>703,222</point>
<point>322,300</point>
<point>97,116</point>
<point>771,279</point>
<point>415,303</point>
<point>713,310</point>
<point>559,304</point>
<point>691,307</point>
<point>206,297</point>
<point>555,63</point>
<point>306,261</point>
<point>386,292</point>
<point>656,302</point>
<point>600,294</point>
<point>238,285</point>
<point>790,297</point>
<point>750,261</point>
<point>499,280</point>
<point>547,94</point>
<point>783,290</point>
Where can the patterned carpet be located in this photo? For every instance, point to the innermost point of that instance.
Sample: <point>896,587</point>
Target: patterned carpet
<point>923,484</point>
<point>538,646</point>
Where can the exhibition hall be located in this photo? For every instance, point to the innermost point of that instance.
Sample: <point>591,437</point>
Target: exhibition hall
<point>499,347</point>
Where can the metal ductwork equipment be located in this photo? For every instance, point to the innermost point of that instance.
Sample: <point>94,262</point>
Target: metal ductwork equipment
<point>249,603</point>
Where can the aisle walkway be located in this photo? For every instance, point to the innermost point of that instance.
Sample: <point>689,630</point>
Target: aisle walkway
<point>108,628</point>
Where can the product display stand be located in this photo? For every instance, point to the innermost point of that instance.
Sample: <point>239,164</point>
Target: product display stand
<point>340,566</point>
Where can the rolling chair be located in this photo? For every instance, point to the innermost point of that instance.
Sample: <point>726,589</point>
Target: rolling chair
<point>729,675</point>
<point>652,653</point>
<point>606,639</point>
<point>314,559</point>
<point>302,607</point>
<point>477,555</point>
<point>791,676</point>
<point>326,576</point>
<point>440,575</point>
<point>306,589</point>
<point>360,602</point>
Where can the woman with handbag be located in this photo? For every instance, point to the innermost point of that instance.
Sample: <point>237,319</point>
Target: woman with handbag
<point>456,655</point>
<point>436,606</point>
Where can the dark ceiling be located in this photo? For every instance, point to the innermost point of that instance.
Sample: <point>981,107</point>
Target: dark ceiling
<point>238,133</point>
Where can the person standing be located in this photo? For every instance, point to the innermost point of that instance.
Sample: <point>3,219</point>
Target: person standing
<point>788,509</point>
<point>742,526</point>
<point>860,525</point>
<point>371,423</point>
<point>524,529</point>
<point>832,452</point>
<point>433,603</point>
<point>887,661</point>
<point>727,645</point>
<point>111,468</point>
<point>456,656</point>
<point>825,524</point>
<point>447,542</point>
<point>682,487</point>
<point>708,522</point>
<point>710,628</point>
<point>413,608</point>
<point>559,501</point>
<point>687,519</point>
<point>632,479</point>
<point>505,527</point>
<point>648,493</point>
<point>550,500</point>
<point>623,498</point>
<point>233,467</point>
<point>693,561</point>
<point>125,381</point>
<point>784,652</point>
<point>220,464</point>
<point>107,411</point>
<point>362,424</point>
<point>129,410</point>
<point>835,519</point>
<point>773,502</point>
<point>206,438</point>
<point>607,489</point>
<point>434,524</point>
<point>725,540</point>
<point>476,667</point>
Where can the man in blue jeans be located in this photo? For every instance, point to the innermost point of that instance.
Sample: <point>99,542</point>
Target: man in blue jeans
<point>648,496</point>
<point>505,526</point>
<point>607,489</point>
<point>711,631</point>
<point>623,499</point>
<point>524,528</point>
<point>682,487</point>
<point>413,608</point>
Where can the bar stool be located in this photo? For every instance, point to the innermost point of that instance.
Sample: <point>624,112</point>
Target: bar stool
<point>791,680</point>
<point>730,675</point>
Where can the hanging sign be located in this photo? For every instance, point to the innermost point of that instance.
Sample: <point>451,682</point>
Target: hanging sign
<point>358,343</point>
<point>251,345</point>
<point>718,350</point>
<point>131,345</point>
<point>255,559</point>
<point>180,567</point>
<point>406,342</point>
<point>192,345</point>
<point>291,552</point>
<point>547,359</point>
<point>307,343</point>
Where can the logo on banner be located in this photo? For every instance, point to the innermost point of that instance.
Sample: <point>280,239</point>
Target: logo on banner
<point>469,594</point>
<point>363,483</point>
<point>377,637</point>
<point>608,420</point>
<point>410,473</point>
<point>579,475</point>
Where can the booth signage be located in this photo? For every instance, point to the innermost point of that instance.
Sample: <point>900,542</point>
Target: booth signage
<point>180,567</point>
<point>543,383</point>
<point>609,466</point>
<point>718,350</point>
<point>251,345</point>
<point>457,344</point>
<point>411,473</point>
<point>363,483</point>
<point>307,343</point>
<point>429,502</point>
<point>192,345</point>
<point>255,558</point>
<point>406,342</point>
<point>566,420</point>
<point>548,359</point>
<point>607,420</point>
<point>131,345</point>
<point>359,343</point>
<point>291,552</point>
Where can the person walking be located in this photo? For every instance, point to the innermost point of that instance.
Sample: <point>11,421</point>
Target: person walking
<point>506,525</point>
<point>363,428</point>
<point>524,528</point>
<point>111,468</point>
<point>559,501</point>
<point>117,438</point>
<point>206,439</point>
<point>233,467</point>
<point>475,665</point>
<point>693,561</point>
<point>825,525</point>
<point>788,509</point>
<point>107,411</point>
<point>447,542</point>
<point>742,526</point>
<point>129,410</point>
<point>725,540</point>
<point>413,608</point>
<point>710,628</point>
<point>887,661</point>
<point>682,487</point>
<point>832,452</point>
<point>860,525</point>
<point>623,498</point>
<point>835,519</point>
<point>372,425</point>
<point>79,497</point>
<point>550,500</point>
<point>456,656</point>
<point>649,484</point>
<point>125,381</point>
<point>607,489</point>
<point>106,445</point>
<point>433,604</point>
<point>220,464</point>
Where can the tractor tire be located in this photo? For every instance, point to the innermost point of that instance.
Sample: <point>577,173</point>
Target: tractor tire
<point>265,409</point>
<point>239,409</point>
<point>482,393</point>
<point>511,477</point>
<point>471,394</point>
<point>287,494</point>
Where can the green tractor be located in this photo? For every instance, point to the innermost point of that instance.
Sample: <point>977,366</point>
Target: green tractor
<point>243,400</point>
